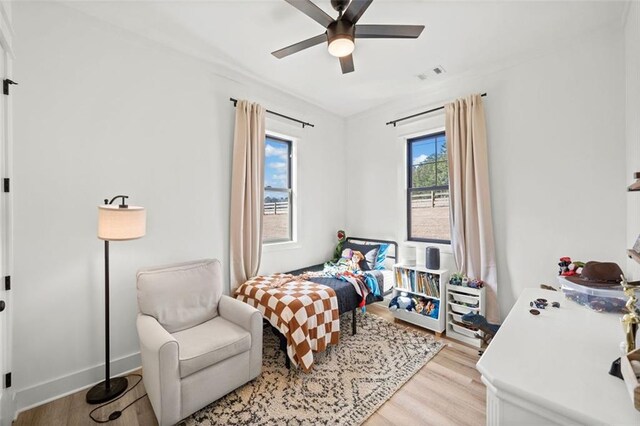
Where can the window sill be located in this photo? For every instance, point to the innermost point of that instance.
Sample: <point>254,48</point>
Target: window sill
<point>285,245</point>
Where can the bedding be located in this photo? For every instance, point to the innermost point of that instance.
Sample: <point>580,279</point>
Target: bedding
<point>348,297</point>
<point>305,313</point>
<point>382,256</point>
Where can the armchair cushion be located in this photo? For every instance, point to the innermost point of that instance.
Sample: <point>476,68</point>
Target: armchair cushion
<point>209,343</point>
<point>181,295</point>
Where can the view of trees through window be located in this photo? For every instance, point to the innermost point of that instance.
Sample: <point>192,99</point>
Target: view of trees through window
<point>277,191</point>
<point>428,190</point>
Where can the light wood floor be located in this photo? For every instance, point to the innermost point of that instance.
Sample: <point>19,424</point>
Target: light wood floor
<point>446,391</point>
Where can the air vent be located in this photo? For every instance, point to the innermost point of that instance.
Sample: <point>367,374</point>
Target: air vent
<point>438,70</point>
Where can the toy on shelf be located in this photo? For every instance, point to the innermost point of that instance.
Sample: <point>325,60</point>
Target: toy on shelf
<point>427,307</point>
<point>464,281</point>
<point>456,279</point>
<point>476,283</point>
<point>403,301</point>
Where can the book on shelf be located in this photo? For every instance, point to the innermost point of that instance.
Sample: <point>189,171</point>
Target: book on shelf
<point>418,282</point>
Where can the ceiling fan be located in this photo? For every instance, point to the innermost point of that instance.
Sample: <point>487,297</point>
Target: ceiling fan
<point>341,32</point>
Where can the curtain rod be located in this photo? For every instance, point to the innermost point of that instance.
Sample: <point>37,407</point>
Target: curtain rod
<point>394,122</point>
<point>304,123</point>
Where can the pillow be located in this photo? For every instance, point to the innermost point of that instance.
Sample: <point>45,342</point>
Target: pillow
<point>382,255</point>
<point>181,295</point>
<point>370,252</point>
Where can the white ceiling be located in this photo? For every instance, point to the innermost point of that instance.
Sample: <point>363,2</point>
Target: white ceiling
<point>462,36</point>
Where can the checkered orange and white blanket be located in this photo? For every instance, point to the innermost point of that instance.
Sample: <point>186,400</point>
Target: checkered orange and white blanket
<point>306,313</point>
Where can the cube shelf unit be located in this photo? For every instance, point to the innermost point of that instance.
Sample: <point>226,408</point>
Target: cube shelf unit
<point>462,300</point>
<point>419,281</point>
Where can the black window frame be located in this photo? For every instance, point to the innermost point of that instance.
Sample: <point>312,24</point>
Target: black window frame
<point>411,189</point>
<point>288,191</point>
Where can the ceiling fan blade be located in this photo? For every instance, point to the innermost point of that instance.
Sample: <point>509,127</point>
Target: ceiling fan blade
<point>305,44</point>
<point>312,11</point>
<point>388,31</point>
<point>356,9</point>
<point>346,63</point>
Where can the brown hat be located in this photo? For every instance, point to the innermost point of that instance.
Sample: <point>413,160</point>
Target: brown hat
<point>599,274</point>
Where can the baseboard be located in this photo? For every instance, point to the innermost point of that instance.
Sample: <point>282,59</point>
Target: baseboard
<point>7,407</point>
<point>62,386</point>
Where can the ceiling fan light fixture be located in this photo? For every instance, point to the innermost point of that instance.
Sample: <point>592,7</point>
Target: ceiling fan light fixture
<point>341,32</point>
<point>341,47</point>
<point>341,35</point>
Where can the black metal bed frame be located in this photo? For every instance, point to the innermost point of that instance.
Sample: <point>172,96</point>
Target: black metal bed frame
<point>283,340</point>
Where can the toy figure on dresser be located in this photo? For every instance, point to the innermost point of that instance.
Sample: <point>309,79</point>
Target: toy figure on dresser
<point>402,302</point>
<point>630,320</point>
<point>569,268</point>
<point>564,265</point>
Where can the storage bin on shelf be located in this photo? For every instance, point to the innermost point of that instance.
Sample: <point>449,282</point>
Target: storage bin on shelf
<point>464,330</point>
<point>461,309</point>
<point>462,300</point>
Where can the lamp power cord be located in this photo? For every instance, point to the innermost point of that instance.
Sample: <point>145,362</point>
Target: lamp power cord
<point>117,413</point>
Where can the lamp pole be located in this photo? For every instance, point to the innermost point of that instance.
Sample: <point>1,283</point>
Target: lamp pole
<point>116,223</point>
<point>107,373</point>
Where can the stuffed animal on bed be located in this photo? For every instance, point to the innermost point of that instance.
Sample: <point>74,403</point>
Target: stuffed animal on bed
<point>342,237</point>
<point>350,259</point>
<point>402,302</point>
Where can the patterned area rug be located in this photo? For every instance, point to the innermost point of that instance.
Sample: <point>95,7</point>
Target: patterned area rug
<point>347,384</point>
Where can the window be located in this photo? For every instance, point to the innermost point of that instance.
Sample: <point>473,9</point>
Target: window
<point>277,210</point>
<point>428,189</point>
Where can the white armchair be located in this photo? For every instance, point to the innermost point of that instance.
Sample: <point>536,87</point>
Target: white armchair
<point>196,344</point>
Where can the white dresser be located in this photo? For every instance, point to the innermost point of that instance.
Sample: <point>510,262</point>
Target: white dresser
<point>553,368</point>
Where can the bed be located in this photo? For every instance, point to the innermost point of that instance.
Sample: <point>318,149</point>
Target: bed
<point>348,298</point>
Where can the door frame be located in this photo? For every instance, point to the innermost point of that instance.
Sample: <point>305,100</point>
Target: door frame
<point>7,395</point>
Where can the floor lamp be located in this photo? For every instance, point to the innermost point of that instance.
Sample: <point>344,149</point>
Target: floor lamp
<point>115,223</point>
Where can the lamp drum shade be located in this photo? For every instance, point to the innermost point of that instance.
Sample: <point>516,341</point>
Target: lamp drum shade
<point>120,224</point>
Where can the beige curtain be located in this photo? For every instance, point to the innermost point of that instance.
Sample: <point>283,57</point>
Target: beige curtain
<point>247,185</point>
<point>470,206</point>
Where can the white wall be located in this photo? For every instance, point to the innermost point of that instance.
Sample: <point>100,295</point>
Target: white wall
<point>99,112</point>
<point>632,62</point>
<point>556,150</point>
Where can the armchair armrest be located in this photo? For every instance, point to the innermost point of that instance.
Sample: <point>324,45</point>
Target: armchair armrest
<point>239,313</point>
<point>249,318</point>
<point>161,373</point>
<point>152,335</point>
